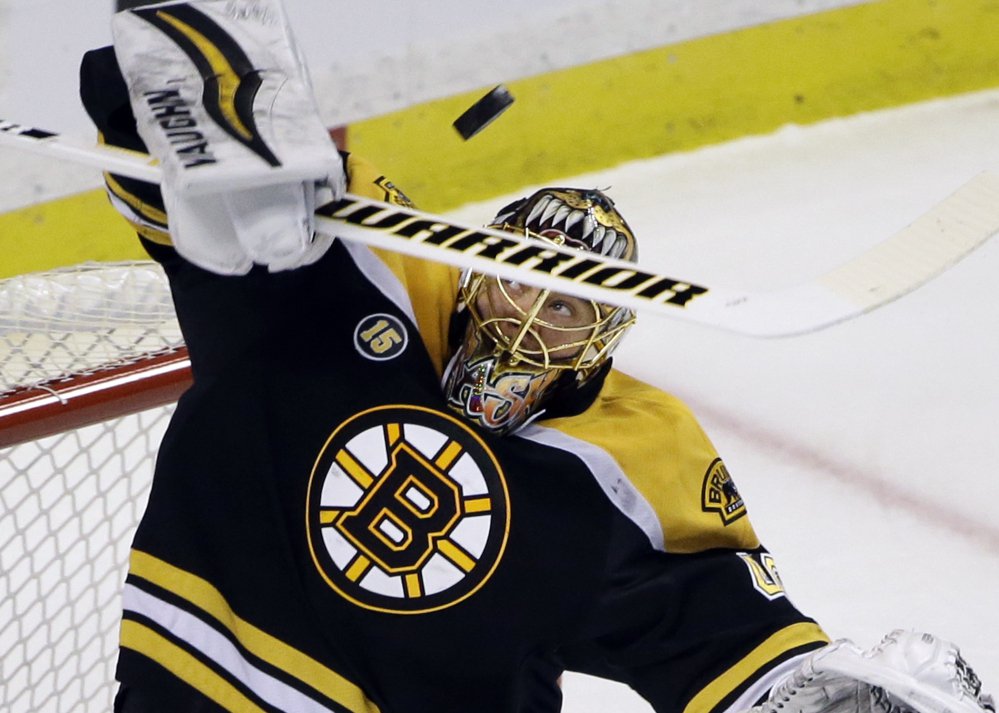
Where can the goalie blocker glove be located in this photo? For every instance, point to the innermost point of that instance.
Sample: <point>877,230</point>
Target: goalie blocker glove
<point>908,672</point>
<point>222,99</point>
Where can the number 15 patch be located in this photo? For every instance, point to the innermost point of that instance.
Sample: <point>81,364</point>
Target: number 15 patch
<point>380,337</point>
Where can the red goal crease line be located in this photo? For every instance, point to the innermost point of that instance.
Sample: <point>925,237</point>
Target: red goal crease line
<point>928,246</point>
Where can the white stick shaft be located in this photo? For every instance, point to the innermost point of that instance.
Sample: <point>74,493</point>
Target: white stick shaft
<point>107,158</point>
<point>930,245</point>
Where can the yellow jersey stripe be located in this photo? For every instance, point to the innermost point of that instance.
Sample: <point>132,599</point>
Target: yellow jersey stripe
<point>185,666</point>
<point>786,639</point>
<point>206,597</point>
<point>147,211</point>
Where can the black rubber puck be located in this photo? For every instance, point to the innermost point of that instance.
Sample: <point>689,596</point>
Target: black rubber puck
<point>483,112</point>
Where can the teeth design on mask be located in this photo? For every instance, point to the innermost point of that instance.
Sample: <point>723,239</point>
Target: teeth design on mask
<point>590,225</point>
<point>538,209</point>
<point>574,217</point>
<point>503,218</point>
<point>550,210</point>
<point>550,213</point>
<point>598,235</point>
<point>610,237</point>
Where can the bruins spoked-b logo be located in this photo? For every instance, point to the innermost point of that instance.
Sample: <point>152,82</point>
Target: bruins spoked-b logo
<point>408,510</point>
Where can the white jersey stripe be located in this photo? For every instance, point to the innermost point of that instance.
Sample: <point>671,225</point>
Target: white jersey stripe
<point>213,645</point>
<point>133,216</point>
<point>609,476</point>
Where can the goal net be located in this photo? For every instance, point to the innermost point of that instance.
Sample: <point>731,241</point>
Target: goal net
<point>91,359</point>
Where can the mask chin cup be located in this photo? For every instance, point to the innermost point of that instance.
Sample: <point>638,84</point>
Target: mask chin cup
<point>492,391</point>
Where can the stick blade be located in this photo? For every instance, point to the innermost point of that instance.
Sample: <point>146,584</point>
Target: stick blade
<point>931,244</point>
<point>927,247</point>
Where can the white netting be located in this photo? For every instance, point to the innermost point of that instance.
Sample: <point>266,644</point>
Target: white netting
<point>69,502</point>
<point>76,319</point>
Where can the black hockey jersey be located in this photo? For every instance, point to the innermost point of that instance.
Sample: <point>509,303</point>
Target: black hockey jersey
<point>324,534</point>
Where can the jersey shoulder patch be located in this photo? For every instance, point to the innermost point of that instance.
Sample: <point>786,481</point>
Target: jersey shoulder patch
<point>364,179</point>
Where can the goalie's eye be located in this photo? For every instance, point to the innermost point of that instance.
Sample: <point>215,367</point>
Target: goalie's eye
<point>560,307</point>
<point>558,310</point>
<point>513,287</point>
<point>565,311</point>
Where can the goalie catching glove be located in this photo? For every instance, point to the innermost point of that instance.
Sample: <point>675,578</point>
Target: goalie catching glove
<point>907,672</point>
<point>223,100</point>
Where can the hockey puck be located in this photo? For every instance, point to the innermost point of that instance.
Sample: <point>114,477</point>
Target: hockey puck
<point>483,112</point>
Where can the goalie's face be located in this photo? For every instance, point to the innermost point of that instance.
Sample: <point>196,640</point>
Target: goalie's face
<point>522,344</point>
<point>545,329</point>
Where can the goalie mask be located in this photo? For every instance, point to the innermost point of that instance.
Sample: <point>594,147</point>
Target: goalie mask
<point>522,346</point>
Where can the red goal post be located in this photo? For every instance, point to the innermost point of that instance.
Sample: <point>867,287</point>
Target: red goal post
<point>28,413</point>
<point>91,361</point>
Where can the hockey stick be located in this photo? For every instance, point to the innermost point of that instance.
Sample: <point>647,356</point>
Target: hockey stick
<point>933,243</point>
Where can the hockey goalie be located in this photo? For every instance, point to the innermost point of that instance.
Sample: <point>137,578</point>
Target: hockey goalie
<point>397,487</point>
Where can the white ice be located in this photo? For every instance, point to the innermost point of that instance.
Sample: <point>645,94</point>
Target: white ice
<point>868,452</point>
